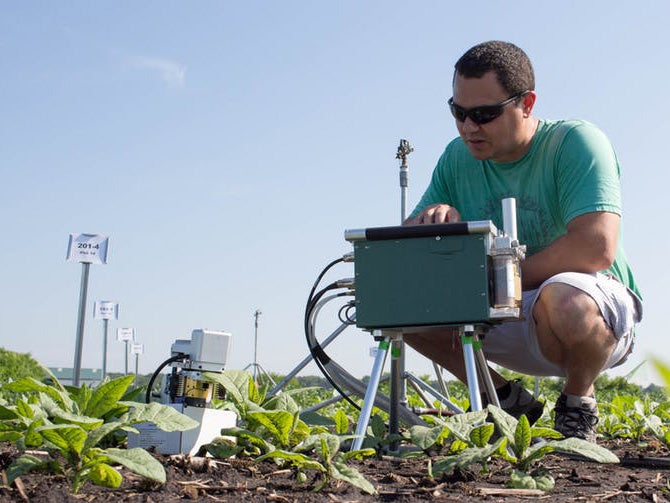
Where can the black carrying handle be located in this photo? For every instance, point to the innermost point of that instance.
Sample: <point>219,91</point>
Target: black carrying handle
<point>416,231</point>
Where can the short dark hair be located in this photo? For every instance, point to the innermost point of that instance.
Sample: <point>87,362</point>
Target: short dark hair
<point>510,64</point>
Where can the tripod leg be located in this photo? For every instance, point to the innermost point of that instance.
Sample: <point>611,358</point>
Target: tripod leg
<point>484,373</point>
<point>307,360</point>
<point>398,395</point>
<point>370,392</point>
<point>415,381</point>
<point>467,340</point>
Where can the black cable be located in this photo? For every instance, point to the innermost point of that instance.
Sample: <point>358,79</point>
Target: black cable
<point>343,313</point>
<point>318,354</point>
<point>320,277</point>
<point>178,357</point>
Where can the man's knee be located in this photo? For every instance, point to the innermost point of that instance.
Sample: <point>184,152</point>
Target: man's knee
<point>568,314</point>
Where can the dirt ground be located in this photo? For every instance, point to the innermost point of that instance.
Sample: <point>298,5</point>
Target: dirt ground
<point>643,475</point>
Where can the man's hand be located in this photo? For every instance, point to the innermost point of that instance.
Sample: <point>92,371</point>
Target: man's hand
<point>435,214</point>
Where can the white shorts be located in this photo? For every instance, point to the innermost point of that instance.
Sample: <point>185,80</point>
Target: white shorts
<point>514,345</point>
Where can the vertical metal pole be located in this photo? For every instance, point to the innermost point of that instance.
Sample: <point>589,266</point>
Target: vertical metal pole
<point>105,325</point>
<point>126,358</point>
<point>137,365</point>
<point>397,388</point>
<point>256,315</point>
<point>509,216</point>
<point>85,266</point>
<point>398,394</point>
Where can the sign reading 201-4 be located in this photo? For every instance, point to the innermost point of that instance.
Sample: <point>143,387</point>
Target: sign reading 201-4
<point>88,248</point>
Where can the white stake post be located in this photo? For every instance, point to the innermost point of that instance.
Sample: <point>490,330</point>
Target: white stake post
<point>126,335</point>
<point>87,249</point>
<point>137,350</point>
<point>105,310</point>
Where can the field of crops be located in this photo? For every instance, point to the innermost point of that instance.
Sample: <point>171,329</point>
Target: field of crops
<point>61,443</point>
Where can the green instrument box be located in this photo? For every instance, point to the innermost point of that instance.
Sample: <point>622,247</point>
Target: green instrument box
<point>425,275</point>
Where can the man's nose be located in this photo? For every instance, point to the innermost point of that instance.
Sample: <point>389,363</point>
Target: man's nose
<point>469,125</point>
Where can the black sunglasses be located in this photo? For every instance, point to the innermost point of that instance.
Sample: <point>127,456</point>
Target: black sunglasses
<point>483,114</point>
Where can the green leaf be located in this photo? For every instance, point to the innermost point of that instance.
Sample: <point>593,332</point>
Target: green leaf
<point>315,419</point>
<point>341,422</point>
<point>541,432</point>
<point>461,425</point>
<point>521,437</point>
<point>284,401</point>
<point>466,458</point>
<point>584,448</point>
<point>377,426</point>
<point>341,471</point>
<point>522,480</point>
<point>326,445</point>
<point>67,437</point>
<point>164,417</point>
<point>56,383</point>
<point>299,432</point>
<point>138,461</point>
<point>504,452</point>
<point>545,482</point>
<point>81,395</point>
<point>481,434</point>
<point>425,437</point>
<point>24,410</point>
<point>296,459</point>
<point>61,416</point>
<point>236,384</point>
<point>104,475</point>
<point>24,464</point>
<point>458,446</point>
<point>7,413</point>
<point>277,422</point>
<point>505,423</point>
<point>254,392</point>
<point>95,437</point>
<point>32,385</point>
<point>32,437</point>
<point>107,395</point>
<point>10,436</point>
<point>536,452</point>
<point>359,454</point>
<point>247,439</point>
<point>322,448</point>
<point>223,448</point>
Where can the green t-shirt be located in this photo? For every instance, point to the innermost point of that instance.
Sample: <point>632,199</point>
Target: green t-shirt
<point>570,169</point>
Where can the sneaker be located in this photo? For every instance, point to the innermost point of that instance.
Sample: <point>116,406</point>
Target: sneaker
<point>520,402</point>
<point>576,416</point>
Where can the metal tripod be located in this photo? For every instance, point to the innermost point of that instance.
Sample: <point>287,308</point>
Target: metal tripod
<point>475,365</point>
<point>258,369</point>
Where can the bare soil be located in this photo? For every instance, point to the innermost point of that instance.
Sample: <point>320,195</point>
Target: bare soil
<point>642,475</point>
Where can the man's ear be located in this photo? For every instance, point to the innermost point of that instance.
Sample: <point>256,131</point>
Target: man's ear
<point>528,103</point>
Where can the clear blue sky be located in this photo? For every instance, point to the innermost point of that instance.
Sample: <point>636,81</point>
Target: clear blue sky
<point>225,147</point>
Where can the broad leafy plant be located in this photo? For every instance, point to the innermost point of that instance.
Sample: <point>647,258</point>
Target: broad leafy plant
<point>513,445</point>
<point>631,417</point>
<point>273,430</point>
<point>72,425</point>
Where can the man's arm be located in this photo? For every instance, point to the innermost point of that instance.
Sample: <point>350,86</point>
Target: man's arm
<point>588,246</point>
